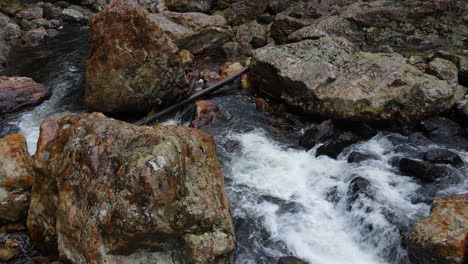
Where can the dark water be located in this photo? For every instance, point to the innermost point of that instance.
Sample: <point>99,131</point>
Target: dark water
<point>285,200</point>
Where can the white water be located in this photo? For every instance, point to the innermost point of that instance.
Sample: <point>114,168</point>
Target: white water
<point>323,232</point>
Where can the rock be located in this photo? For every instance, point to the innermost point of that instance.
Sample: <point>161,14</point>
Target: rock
<point>443,156</point>
<point>10,32</point>
<point>8,253</point>
<point>425,171</point>
<point>73,16</point>
<point>284,25</point>
<point>462,106</point>
<point>280,5</point>
<point>330,78</point>
<point>51,11</point>
<point>20,92</point>
<point>251,33</point>
<point>203,6</point>
<point>232,50</point>
<point>34,36</point>
<point>52,33</point>
<point>133,66</point>
<point>128,194</point>
<point>205,111</point>
<point>187,59</point>
<point>31,13</point>
<point>333,147</point>
<point>245,82</point>
<point>359,188</point>
<point>16,178</point>
<point>210,77</point>
<point>242,11</point>
<point>291,260</point>
<point>41,22</point>
<point>442,236</point>
<point>317,134</point>
<point>444,70</point>
<point>197,32</point>
<point>444,132</point>
<point>358,157</point>
<point>62,4</point>
<point>230,68</point>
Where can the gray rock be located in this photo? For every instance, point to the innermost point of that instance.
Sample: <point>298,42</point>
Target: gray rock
<point>190,5</point>
<point>41,22</point>
<point>51,11</point>
<point>251,33</point>
<point>73,16</point>
<point>444,70</point>
<point>31,13</point>
<point>331,78</point>
<point>240,12</point>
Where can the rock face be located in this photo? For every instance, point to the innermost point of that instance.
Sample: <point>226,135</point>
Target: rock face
<point>330,78</point>
<point>195,32</point>
<point>442,236</point>
<point>133,65</point>
<point>19,92</point>
<point>111,192</point>
<point>16,177</point>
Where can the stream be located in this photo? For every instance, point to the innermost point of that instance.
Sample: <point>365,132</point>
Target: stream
<point>285,201</point>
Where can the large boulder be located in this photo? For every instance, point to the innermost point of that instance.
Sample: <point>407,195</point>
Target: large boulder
<point>16,178</point>
<point>195,32</point>
<point>133,65</point>
<point>110,192</point>
<point>10,32</point>
<point>441,237</point>
<point>19,92</point>
<point>331,78</point>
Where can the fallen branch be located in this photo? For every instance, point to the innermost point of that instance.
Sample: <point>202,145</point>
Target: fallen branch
<point>193,98</point>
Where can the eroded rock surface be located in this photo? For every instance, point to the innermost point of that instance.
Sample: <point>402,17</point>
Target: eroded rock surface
<point>442,236</point>
<point>111,192</point>
<point>331,78</point>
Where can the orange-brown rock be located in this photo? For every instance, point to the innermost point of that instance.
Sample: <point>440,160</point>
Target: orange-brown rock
<point>210,77</point>
<point>230,68</point>
<point>16,177</point>
<point>442,237</point>
<point>205,111</point>
<point>133,66</point>
<point>111,192</point>
<point>19,92</point>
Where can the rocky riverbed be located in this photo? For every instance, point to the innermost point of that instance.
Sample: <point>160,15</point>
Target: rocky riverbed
<point>346,142</point>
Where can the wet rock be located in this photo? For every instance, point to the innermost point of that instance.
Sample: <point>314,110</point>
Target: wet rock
<point>359,188</point>
<point>41,22</point>
<point>205,111</point>
<point>337,144</point>
<point>72,15</point>
<point>20,92</point>
<point>346,83</point>
<point>358,157</point>
<point>425,171</point>
<point>317,134</point>
<point>251,33</point>
<point>190,5</point>
<point>291,260</point>
<point>51,11</point>
<point>444,131</point>
<point>462,106</point>
<point>138,194</point>
<point>210,77</point>
<point>187,59</point>
<point>232,50</point>
<point>245,82</point>
<point>230,68</point>
<point>133,66</point>
<point>442,236</point>
<point>197,32</point>
<point>443,156</point>
<point>34,36</point>
<point>444,70</point>
<point>242,11</point>
<point>16,178</point>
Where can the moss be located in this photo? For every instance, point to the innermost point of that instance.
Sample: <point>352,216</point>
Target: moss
<point>365,6</point>
<point>12,3</point>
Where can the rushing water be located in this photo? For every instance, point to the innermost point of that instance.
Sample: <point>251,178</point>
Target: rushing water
<point>285,200</point>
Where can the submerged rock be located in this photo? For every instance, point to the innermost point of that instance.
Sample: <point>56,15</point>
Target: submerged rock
<point>16,178</point>
<point>20,92</point>
<point>443,156</point>
<point>111,192</point>
<point>291,260</point>
<point>205,111</point>
<point>331,78</point>
<point>442,236</point>
<point>133,65</point>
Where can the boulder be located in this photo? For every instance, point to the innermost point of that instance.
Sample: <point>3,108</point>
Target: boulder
<point>16,178</point>
<point>442,236</point>
<point>334,146</point>
<point>34,37</point>
<point>291,260</point>
<point>423,170</point>
<point>133,65</point>
<point>51,11</point>
<point>203,6</point>
<point>31,13</point>
<point>110,192</point>
<point>196,32</point>
<point>445,132</point>
<point>359,188</point>
<point>205,111</point>
<point>444,70</point>
<point>10,32</point>
<point>20,92</point>
<point>357,157</point>
<point>331,78</point>
<point>251,33</point>
<point>443,156</point>
<point>242,11</point>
